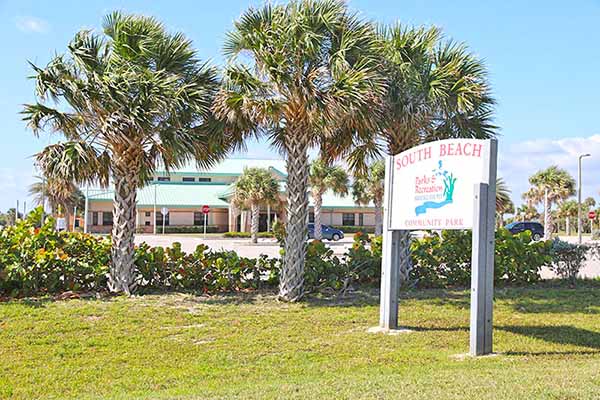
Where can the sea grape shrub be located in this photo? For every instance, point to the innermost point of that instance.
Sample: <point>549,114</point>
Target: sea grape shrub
<point>568,258</point>
<point>204,270</point>
<point>444,260</point>
<point>37,259</point>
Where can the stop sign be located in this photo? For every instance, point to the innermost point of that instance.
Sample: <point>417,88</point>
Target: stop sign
<point>205,209</point>
<point>592,215</point>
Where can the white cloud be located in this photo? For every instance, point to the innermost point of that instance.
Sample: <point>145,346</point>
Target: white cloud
<point>518,161</point>
<point>32,24</point>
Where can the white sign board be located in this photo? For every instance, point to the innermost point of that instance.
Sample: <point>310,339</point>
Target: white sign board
<point>432,184</point>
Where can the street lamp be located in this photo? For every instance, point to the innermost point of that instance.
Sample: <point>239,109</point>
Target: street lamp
<point>579,196</point>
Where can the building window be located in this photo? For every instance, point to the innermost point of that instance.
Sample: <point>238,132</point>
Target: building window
<point>147,213</point>
<point>147,223</point>
<point>164,179</point>
<point>361,219</point>
<point>188,179</point>
<point>198,218</point>
<point>348,219</point>
<point>204,179</point>
<point>311,217</point>
<point>95,218</point>
<point>107,218</point>
<point>159,219</point>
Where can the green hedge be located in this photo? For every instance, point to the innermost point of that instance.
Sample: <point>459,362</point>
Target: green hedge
<point>188,229</point>
<point>42,261</point>
<point>247,234</point>
<point>356,229</point>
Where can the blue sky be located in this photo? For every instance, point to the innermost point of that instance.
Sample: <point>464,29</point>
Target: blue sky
<point>542,56</point>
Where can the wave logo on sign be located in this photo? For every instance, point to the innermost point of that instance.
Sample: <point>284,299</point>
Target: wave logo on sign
<point>443,193</point>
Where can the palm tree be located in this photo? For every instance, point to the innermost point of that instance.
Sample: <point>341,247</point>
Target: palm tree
<point>323,177</point>
<point>436,89</point>
<point>312,68</point>
<point>62,195</point>
<point>527,213</point>
<point>503,202</point>
<point>136,96</point>
<point>368,188</point>
<point>550,186</point>
<point>253,188</point>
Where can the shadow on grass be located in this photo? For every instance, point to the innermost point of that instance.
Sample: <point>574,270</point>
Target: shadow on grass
<point>559,334</point>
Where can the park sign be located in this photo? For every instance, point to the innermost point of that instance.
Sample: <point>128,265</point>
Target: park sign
<point>432,184</point>
<point>446,184</point>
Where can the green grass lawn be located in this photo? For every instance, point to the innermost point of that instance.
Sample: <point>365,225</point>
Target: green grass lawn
<point>250,346</point>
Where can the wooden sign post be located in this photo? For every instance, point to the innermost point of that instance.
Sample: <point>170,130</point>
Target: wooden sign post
<point>447,184</point>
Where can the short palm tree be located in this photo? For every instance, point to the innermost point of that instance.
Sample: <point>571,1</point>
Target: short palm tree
<point>527,212</point>
<point>129,98</point>
<point>62,195</point>
<point>368,188</point>
<point>311,68</point>
<point>503,202</point>
<point>550,186</point>
<point>322,177</point>
<point>254,187</point>
<point>568,211</point>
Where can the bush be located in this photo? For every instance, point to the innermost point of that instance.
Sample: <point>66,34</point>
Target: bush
<point>188,229</point>
<point>356,229</point>
<point>247,234</point>
<point>203,270</point>
<point>596,235</point>
<point>442,261</point>
<point>568,259</point>
<point>42,260</point>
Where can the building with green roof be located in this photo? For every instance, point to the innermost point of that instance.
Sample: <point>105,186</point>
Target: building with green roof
<point>184,192</point>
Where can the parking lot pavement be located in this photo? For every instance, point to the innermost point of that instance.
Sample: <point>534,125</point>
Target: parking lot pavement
<point>270,248</point>
<point>243,247</point>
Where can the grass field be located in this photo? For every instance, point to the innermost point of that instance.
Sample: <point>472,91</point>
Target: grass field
<point>250,346</point>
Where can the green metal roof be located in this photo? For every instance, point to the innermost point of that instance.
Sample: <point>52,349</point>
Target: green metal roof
<point>230,167</point>
<point>173,194</point>
<point>213,194</point>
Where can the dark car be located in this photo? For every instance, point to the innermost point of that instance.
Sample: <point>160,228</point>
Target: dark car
<point>536,229</point>
<point>329,233</point>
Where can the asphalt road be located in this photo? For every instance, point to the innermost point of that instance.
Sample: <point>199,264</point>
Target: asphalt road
<point>270,248</point>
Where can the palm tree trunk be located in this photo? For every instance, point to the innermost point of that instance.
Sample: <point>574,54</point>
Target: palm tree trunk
<point>568,226</point>
<point>121,278</point>
<point>378,219</point>
<point>547,216</point>
<point>254,222</point>
<point>404,258</point>
<point>67,218</point>
<point>291,286</point>
<point>318,199</point>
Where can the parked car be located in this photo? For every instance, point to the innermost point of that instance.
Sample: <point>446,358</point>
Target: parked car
<point>329,232</point>
<point>536,229</point>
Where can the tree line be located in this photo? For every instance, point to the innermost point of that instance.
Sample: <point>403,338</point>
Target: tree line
<point>302,75</point>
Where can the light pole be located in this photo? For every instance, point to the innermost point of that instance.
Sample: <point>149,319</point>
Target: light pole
<point>581,156</point>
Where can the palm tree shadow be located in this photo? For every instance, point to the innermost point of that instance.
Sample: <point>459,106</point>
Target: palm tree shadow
<point>560,334</point>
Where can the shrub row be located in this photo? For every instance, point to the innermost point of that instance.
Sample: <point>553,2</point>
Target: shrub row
<point>247,234</point>
<point>356,229</point>
<point>40,260</point>
<point>189,229</point>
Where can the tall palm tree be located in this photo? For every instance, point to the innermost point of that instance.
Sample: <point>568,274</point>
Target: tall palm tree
<point>322,177</point>
<point>550,186</point>
<point>136,95</point>
<point>436,89</point>
<point>368,188</point>
<point>311,69</point>
<point>504,203</point>
<point>254,187</point>
<point>62,195</point>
